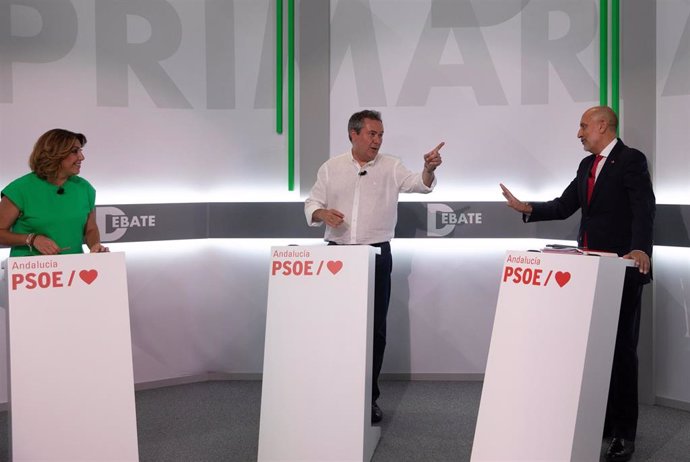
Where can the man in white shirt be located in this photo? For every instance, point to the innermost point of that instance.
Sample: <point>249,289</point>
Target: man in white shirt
<point>356,196</point>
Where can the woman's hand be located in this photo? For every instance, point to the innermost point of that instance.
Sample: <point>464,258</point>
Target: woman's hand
<point>45,245</point>
<point>98,248</point>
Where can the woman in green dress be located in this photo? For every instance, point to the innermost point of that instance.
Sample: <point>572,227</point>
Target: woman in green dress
<point>51,210</point>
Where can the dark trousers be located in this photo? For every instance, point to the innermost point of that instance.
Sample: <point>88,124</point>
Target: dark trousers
<point>621,410</point>
<point>382,297</point>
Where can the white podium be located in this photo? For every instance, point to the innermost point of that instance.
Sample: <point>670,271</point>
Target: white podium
<point>316,392</point>
<point>549,365</point>
<point>71,391</point>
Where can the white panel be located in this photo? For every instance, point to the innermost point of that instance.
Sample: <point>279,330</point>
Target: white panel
<point>198,306</point>
<point>672,322</point>
<point>546,384</point>
<point>672,163</point>
<point>443,302</point>
<point>319,340</point>
<point>71,382</point>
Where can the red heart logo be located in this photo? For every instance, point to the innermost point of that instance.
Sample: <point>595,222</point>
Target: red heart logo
<point>334,266</point>
<point>88,276</point>
<point>562,278</point>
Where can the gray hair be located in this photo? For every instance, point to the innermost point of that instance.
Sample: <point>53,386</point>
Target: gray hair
<point>356,121</point>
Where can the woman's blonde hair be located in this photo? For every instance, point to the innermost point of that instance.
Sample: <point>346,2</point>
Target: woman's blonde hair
<point>51,149</point>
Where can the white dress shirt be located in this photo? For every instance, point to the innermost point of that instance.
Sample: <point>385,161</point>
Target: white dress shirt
<point>368,200</point>
<point>604,153</point>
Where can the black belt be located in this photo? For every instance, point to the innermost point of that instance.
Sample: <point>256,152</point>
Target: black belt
<point>384,246</point>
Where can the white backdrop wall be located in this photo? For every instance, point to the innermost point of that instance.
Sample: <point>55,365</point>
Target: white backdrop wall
<point>176,98</point>
<point>504,85</point>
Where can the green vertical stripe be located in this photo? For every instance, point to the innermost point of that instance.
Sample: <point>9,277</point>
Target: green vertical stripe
<point>279,66</point>
<point>291,95</point>
<point>603,51</point>
<point>615,55</point>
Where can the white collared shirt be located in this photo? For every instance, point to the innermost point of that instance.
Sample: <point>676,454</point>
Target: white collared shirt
<point>369,201</point>
<point>604,153</point>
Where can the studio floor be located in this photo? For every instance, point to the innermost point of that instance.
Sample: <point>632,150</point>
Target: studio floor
<point>423,421</point>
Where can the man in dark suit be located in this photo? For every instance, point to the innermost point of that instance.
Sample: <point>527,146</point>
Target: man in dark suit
<point>613,190</point>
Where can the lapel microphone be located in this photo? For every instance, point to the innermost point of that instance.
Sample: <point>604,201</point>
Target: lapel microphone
<point>362,173</point>
<point>61,190</point>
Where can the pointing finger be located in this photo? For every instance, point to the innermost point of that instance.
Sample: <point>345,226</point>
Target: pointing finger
<point>440,145</point>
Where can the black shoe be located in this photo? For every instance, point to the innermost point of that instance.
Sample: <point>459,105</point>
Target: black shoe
<point>376,413</point>
<point>620,450</point>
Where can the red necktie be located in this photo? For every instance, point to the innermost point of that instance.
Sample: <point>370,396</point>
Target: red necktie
<point>592,177</point>
<point>590,187</point>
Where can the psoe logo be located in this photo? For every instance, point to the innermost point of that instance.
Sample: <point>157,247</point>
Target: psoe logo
<point>113,223</point>
<point>442,220</point>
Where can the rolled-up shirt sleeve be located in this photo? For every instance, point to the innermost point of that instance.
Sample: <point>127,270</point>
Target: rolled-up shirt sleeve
<point>411,182</point>
<point>317,197</point>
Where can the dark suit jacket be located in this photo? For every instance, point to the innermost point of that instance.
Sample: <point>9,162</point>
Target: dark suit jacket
<point>620,215</point>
